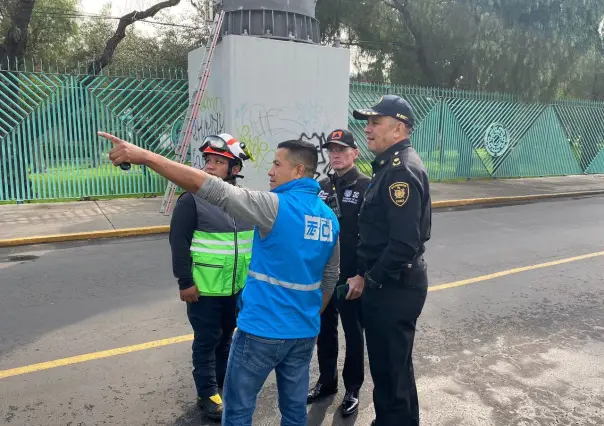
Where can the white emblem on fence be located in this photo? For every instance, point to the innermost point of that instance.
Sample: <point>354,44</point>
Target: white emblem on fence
<point>496,140</point>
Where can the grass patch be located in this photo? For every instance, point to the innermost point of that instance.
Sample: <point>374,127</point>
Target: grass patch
<point>74,181</point>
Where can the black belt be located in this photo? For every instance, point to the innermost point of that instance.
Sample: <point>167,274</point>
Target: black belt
<point>414,263</point>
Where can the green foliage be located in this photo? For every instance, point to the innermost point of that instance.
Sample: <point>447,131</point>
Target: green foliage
<point>62,37</point>
<point>51,31</point>
<point>538,49</point>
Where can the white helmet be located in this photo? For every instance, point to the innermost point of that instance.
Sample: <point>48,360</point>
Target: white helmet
<point>227,146</point>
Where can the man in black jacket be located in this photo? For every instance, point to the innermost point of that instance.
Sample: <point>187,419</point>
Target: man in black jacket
<point>210,257</point>
<point>343,192</point>
<point>395,223</point>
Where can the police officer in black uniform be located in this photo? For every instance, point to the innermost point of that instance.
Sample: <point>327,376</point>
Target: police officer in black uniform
<point>394,225</point>
<point>343,191</point>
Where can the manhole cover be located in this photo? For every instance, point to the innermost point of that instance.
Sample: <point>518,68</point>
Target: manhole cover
<point>22,257</point>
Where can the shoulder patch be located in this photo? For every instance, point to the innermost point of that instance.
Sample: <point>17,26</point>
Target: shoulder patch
<point>399,193</point>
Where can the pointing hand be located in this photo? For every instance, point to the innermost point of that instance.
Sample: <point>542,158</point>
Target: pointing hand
<point>124,152</point>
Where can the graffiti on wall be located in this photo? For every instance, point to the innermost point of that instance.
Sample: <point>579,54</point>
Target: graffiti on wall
<point>262,128</point>
<point>319,140</point>
<point>210,121</point>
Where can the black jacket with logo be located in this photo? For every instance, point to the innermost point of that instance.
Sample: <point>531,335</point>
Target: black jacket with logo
<point>350,190</point>
<point>395,220</point>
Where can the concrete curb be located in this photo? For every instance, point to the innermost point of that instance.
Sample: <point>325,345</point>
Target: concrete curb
<point>95,235</point>
<point>511,199</point>
<point>164,229</point>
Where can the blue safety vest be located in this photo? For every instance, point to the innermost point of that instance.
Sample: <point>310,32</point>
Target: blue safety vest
<point>282,297</point>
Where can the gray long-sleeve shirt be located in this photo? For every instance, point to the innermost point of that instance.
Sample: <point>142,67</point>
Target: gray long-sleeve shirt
<point>260,208</point>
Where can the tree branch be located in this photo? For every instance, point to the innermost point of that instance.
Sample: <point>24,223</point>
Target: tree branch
<point>367,43</point>
<point>199,7</point>
<point>419,48</point>
<point>106,57</point>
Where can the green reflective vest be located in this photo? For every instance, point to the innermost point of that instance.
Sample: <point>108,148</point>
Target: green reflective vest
<point>221,261</point>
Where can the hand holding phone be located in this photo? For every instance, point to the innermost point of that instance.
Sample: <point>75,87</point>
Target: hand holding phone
<point>342,291</point>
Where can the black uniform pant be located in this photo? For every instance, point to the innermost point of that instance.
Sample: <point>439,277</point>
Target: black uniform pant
<point>213,320</point>
<point>390,313</point>
<point>327,343</point>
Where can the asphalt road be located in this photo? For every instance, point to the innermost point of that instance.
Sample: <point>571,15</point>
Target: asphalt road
<point>522,349</point>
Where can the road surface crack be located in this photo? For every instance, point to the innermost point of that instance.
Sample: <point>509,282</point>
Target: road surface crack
<point>106,217</point>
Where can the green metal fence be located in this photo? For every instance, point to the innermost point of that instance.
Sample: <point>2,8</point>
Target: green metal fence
<point>49,148</point>
<point>48,124</point>
<point>465,135</point>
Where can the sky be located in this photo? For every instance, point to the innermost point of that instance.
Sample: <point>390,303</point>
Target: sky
<point>121,7</point>
<point>124,6</point>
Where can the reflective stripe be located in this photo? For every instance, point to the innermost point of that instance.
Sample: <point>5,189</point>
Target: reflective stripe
<point>214,251</point>
<point>274,281</point>
<point>221,243</point>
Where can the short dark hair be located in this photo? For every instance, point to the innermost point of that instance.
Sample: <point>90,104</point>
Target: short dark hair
<point>302,152</point>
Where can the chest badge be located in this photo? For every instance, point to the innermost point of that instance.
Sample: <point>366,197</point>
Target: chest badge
<point>399,193</point>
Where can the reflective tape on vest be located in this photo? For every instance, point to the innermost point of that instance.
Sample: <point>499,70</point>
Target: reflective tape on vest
<point>274,281</point>
<point>216,251</point>
<point>221,243</point>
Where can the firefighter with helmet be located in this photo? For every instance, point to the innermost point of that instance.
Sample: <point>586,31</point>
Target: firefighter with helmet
<point>211,252</point>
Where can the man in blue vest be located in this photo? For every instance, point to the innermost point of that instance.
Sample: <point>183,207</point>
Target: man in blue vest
<point>294,269</point>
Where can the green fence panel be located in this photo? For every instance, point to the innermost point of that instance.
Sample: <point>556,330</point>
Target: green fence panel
<point>48,132</point>
<point>492,128</point>
<point>542,151</point>
<point>425,136</point>
<point>458,159</point>
<point>597,165</point>
<point>425,139</point>
<point>49,148</point>
<point>582,122</point>
<point>481,135</point>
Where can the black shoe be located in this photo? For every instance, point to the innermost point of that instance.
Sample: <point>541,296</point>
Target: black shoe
<point>350,404</point>
<point>319,392</point>
<point>212,409</point>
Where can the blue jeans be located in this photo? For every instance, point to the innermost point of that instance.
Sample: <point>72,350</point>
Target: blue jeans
<point>251,360</point>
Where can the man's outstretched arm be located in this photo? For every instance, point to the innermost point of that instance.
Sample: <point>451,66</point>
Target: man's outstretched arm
<point>188,178</point>
<point>257,207</point>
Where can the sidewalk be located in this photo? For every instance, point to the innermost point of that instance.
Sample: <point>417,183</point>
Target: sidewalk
<point>35,220</point>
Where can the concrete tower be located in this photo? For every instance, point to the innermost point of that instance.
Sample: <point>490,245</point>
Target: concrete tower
<point>271,81</point>
<point>276,19</point>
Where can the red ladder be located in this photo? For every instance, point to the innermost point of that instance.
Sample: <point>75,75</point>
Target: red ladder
<point>184,139</point>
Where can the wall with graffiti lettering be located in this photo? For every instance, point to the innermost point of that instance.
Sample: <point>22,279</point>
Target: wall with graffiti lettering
<point>270,91</point>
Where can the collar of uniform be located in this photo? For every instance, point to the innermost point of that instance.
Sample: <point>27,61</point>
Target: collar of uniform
<point>299,185</point>
<point>349,176</point>
<point>383,159</point>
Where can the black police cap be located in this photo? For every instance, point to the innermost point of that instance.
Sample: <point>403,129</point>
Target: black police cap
<point>341,137</point>
<point>390,106</point>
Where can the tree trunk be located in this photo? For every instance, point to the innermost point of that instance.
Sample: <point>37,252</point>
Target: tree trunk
<point>420,50</point>
<point>101,61</point>
<point>15,40</point>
